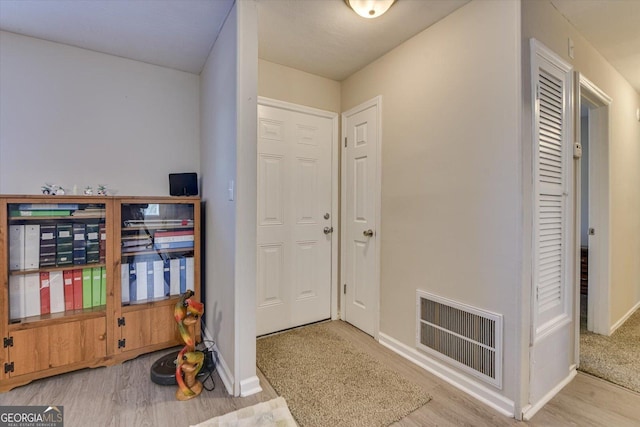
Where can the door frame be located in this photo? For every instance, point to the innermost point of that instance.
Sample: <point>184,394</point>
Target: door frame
<point>284,105</point>
<point>598,315</point>
<point>374,102</point>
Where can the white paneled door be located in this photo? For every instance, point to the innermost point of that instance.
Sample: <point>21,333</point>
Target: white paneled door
<point>294,248</point>
<point>360,202</point>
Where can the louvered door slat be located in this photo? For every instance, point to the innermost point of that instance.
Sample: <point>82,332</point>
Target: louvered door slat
<point>550,124</point>
<point>554,120</point>
<point>550,174</point>
<point>551,209</point>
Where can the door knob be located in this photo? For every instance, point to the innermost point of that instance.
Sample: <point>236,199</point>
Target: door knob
<point>328,230</point>
<point>368,233</point>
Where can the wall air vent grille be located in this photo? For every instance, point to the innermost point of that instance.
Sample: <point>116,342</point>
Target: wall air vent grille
<point>461,335</point>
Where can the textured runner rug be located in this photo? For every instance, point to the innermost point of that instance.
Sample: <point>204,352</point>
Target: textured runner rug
<point>273,413</point>
<point>615,358</point>
<point>328,382</point>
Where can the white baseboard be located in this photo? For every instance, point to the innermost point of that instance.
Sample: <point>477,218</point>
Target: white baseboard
<point>250,386</point>
<point>223,369</point>
<point>530,410</point>
<point>225,374</point>
<point>624,318</point>
<point>471,387</point>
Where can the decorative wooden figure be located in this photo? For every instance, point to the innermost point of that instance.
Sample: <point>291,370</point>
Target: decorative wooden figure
<point>187,313</point>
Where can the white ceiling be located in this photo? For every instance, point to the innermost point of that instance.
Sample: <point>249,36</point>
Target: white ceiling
<point>322,37</point>
<point>329,39</point>
<point>612,27</point>
<point>172,33</point>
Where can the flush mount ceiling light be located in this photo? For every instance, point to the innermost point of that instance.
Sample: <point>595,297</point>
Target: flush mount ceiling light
<point>369,8</point>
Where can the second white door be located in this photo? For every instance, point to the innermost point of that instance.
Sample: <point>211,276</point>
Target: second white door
<point>361,191</point>
<point>294,229</point>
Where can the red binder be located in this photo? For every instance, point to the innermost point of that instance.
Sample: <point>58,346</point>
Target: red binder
<point>67,276</point>
<point>45,293</point>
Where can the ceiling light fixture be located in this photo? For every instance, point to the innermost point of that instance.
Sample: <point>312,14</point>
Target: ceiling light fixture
<point>369,8</point>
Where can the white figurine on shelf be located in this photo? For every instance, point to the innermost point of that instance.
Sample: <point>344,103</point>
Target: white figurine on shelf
<point>88,191</point>
<point>52,189</point>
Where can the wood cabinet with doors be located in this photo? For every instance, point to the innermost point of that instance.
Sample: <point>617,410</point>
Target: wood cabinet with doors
<point>71,275</point>
<point>157,260</point>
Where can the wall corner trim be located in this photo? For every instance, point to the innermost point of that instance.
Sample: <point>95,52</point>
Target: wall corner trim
<point>624,318</point>
<point>529,411</point>
<point>484,394</point>
<point>250,386</point>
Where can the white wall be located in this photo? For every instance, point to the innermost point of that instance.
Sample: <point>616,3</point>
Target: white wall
<point>228,117</point>
<point>218,165</point>
<point>75,117</point>
<point>298,87</point>
<point>451,203</point>
<point>542,21</point>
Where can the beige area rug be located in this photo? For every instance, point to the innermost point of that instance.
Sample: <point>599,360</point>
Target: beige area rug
<point>328,382</point>
<point>273,413</point>
<point>615,358</point>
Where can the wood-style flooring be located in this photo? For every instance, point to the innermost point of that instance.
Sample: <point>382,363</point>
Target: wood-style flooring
<point>123,395</point>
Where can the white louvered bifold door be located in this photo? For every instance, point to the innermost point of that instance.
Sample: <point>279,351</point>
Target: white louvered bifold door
<point>552,156</point>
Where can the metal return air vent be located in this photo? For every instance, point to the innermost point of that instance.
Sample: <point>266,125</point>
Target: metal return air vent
<point>463,336</point>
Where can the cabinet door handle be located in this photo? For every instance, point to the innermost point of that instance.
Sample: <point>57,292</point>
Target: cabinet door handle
<point>102,337</point>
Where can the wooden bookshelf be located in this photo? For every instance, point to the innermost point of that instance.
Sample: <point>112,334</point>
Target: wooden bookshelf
<point>37,346</point>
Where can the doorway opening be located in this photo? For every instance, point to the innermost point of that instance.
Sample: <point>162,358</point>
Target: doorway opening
<point>585,230</point>
<point>599,351</point>
<point>593,235</point>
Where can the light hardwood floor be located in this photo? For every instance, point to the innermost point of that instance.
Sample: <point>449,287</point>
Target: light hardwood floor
<point>123,395</point>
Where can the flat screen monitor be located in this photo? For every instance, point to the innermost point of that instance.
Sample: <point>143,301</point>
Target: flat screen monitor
<point>183,184</point>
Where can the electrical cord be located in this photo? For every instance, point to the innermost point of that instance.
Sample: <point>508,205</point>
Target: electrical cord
<point>210,364</point>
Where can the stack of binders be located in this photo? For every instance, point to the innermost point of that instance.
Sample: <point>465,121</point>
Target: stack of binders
<point>24,293</point>
<point>140,242</point>
<point>150,279</point>
<point>24,247</point>
<point>42,210</point>
<point>92,283</point>
<point>56,291</point>
<point>173,239</point>
<point>41,244</point>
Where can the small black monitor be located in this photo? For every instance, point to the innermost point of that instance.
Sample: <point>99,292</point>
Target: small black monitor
<point>183,184</point>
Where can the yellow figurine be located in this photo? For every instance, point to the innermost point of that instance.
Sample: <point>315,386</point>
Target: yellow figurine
<point>189,361</point>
